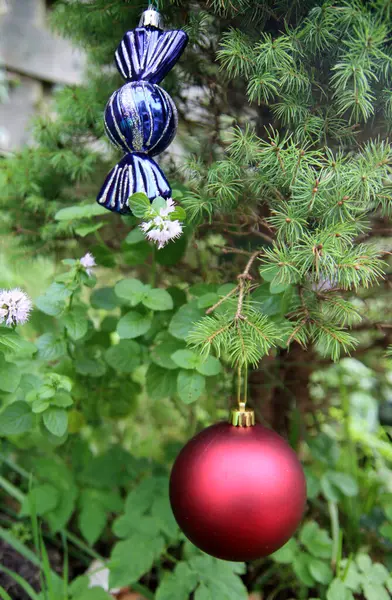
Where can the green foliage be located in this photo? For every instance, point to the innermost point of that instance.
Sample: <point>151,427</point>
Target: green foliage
<point>284,265</point>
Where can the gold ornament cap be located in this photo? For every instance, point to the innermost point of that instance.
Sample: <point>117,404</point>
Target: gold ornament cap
<point>242,416</point>
<point>151,18</point>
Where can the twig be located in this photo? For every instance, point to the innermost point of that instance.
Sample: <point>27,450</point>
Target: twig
<point>222,300</point>
<point>242,277</point>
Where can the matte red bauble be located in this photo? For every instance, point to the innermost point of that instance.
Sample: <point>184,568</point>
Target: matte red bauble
<point>238,493</point>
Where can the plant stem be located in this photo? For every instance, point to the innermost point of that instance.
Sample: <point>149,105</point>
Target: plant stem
<point>11,489</point>
<point>335,531</point>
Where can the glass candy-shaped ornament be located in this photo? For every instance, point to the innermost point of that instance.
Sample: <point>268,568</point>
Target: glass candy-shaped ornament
<point>141,118</point>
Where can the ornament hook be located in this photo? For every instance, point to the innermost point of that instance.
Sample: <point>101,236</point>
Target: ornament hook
<point>242,416</point>
<point>152,17</point>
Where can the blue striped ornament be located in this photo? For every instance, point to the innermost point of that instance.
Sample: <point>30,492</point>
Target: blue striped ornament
<point>141,118</point>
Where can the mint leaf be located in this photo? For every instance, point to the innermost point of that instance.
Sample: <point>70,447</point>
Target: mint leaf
<point>133,325</point>
<point>162,352</point>
<point>124,357</point>
<point>92,521</point>
<point>160,383</point>
<point>10,375</point>
<point>85,211</point>
<point>320,571</point>
<point>178,214</point>
<point>183,320</point>
<point>338,591</point>
<point>316,540</point>
<point>139,204</point>
<point>190,386</point>
<point>134,557</point>
<point>56,421</point>
<point>76,323</point>
<point>16,418</point>
<point>53,301</point>
<point>50,347</point>
<point>209,367</point>
<point>179,584</point>
<point>40,500</point>
<point>286,554</point>
<point>158,299</point>
<point>186,359</point>
<point>131,290</point>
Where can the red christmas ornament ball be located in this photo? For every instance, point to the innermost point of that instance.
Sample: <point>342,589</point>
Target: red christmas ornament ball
<point>238,493</point>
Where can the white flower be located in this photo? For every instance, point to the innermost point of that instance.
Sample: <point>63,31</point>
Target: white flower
<point>88,262</point>
<point>15,307</point>
<point>98,576</point>
<point>170,207</point>
<point>161,229</point>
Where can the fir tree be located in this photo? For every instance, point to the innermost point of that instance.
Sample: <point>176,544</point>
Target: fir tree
<point>300,179</point>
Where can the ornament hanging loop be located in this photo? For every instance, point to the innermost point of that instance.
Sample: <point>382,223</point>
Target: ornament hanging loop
<point>151,17</point>
<point>242,416</point>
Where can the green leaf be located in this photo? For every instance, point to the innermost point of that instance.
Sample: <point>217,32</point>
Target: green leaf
<point>160,383</point>
<point>62,399</point>
<point>50,347</point>
<point>11,341</point>
<point>158,203</point>
<point>204,593</point>
<point>334,485</point>
<point>316,540</point>
<point>10,376</point>
<point>312,484</point>
<point>15,419</point>
<point>133,325</point>
<point>338,591</point>
<point>220,577</point>
<point>85,229</point>
<point>286,554</point>
<point>158,299</point>
<point>85,211</point>
<point>190,386</point>
<point>388,511</point>
<point>186,359</point>
<point>124,357</point>
<point>375,591</point>
<point>320,571</point>
<point>55,472</point>
<point>172,253</point>
<point>134,557</point>
<point>210,367</point>
<point>53,301</point>
<point>40,500</point>
<point>139,204</point>
<point>131,290</point>
<point>104,298</point>
<point>183,321</point>
<point>344,482</point>
<point>135,236</point>
<point>76,323</point>
<point>386,530</point>
<point>136,254</point>
<point>161,353</point>
<point>89,361</point>
<point>56,421</point>
<point>39,406</point>
<point>92,521</point>
<point>163,514</point>
<point>324,449</point>
<point>208,300</point>
<point>178,214</point>
<point>301,564</point>
<point>177,585</point>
